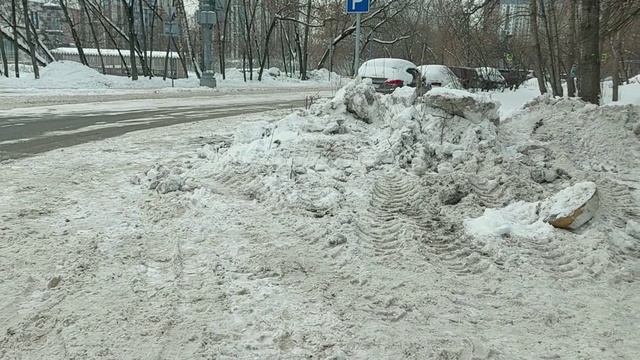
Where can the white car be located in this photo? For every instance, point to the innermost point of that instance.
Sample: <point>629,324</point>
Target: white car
<point>389,74</point>
<point>439,76</point>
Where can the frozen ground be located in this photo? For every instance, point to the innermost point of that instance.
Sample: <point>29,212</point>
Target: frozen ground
<point>334,233</point>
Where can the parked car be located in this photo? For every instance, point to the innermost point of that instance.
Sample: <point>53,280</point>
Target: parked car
<point>439,76</point>
<point>468,76</point>
<point>389,74</point>
<point>490,79</point>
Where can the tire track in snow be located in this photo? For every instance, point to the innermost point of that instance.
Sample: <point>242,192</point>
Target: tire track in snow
<point>400,221</point>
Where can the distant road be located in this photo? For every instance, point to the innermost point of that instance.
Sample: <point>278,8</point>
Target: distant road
<point>28,131</point>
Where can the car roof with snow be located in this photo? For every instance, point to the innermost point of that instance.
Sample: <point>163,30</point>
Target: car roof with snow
<point>389,68</point>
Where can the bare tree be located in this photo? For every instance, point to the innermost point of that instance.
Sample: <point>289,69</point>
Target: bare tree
<point>5,64</point>
<point>14,25</point>
<point>571,61</point>
<point>83,5</point>
<point>132,38</point>
<point>552,45</point>
<point>30,43</point>
<point>616,50</point>
<point>74,33</point>
<point>537,48</point>
<point>305,48</point>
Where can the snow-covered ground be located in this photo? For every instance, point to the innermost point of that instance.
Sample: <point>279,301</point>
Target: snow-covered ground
<point>511,101</point>
<point>68,79</point>
<point>358,229</point>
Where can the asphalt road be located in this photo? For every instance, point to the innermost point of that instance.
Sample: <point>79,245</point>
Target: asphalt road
<point>23,135</point>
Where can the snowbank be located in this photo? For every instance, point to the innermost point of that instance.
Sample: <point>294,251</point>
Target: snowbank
<point>317,234</point>
<point>73,75</point>
<point>520,219</point>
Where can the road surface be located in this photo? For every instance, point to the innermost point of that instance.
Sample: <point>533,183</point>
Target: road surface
<point>29,131</point>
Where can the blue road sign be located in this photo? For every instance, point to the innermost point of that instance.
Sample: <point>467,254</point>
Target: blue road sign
<point>357,6</point>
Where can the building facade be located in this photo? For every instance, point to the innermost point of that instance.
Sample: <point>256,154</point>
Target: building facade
<point>515,17</point>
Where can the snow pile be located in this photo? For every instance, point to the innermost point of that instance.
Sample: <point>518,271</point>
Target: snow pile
<point>499,176</point>
<point>520,219</point>
<point>161,179</point>
<point>73,75</point>
<point>303,160</point>
<point>358,98</point>
<point>274,77</point>
<point>530,220</point>
<point>475,108</point>
<point>320,235</point>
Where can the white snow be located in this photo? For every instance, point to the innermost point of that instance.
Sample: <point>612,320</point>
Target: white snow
<point>520,219</point>
<point>390,69</point>
<point>111,52</point>
<point>312,233</point>
<point>69,75</point>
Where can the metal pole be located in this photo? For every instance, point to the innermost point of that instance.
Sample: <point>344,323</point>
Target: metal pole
<point>357,55</point>
<point>207,20</point>
<point>207,39</point>
<point>173,61</point>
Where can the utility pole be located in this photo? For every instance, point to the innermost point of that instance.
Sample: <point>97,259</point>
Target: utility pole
<point>356,65</point>
<point>207,18</point>
<point>357,7</point>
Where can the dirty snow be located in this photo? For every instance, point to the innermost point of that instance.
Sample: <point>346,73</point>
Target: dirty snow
<point>338,232</point>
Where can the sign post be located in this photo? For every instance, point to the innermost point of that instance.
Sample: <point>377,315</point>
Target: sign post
<point>357,7</point>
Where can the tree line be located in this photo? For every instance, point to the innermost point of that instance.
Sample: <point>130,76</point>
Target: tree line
<point>572,42</point>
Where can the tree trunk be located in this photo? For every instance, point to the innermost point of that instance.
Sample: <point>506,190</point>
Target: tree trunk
<point>305,49</point>
<point>30,42</point>
<point>556,84</point>
<point>223,51</point>
<point>153,21</point>
<point>292,56</point>
<point>143,32</point>
<point>589,71</point>
<point>616,49</point>
<point>299,48</point>
<point>42,46</point>
<point>571,63</point>
<point>191,51</point>
<point>244,66</point>
<point>266,47</point>
<point>74,33</point>
<point>14,25</point>
<point>537,48</point>
<point>181,57</point>
<point>283,51</point>
<point>248,26</point>
<point>113,40</point>
<point>132,40</point>
<point>83,5</point>
<point>5,64</point>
